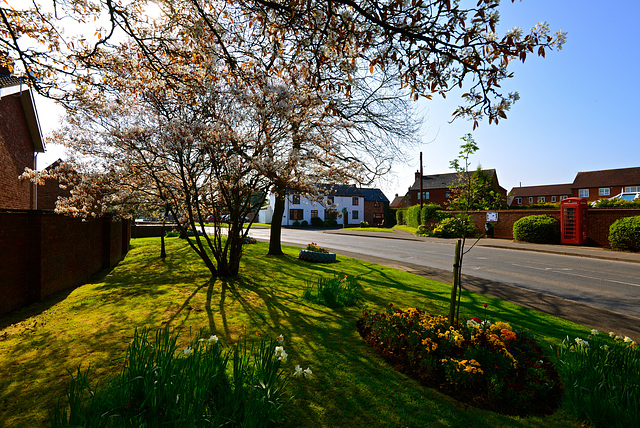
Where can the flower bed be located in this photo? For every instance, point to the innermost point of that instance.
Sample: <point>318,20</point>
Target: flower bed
<point>318,257</point>
<point>487,365</point>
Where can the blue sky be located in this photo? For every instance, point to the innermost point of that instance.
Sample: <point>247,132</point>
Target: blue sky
<point>577,109</point>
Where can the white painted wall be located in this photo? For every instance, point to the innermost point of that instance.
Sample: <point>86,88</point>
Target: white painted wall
<point>339,202</point>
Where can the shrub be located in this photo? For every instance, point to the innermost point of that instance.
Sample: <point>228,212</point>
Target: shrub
<point>296,223</point>
<point>304,223</point>
<point>161,386</point>
<point>539,229</point>
<point>487,364</point>
<point>624,234</point>
<point>615,203</point>
<point>341,290</point>
<point>364,224</point>
<point>432,212</point>
<point>602,381</point>
<point>454,227</point>
<point>400,217</point>
<point>412,217</point>
<point>172,234</point>
<point>330,223</point>
<point>317,222</point>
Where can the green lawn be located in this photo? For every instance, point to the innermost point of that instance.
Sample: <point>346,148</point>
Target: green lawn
<point>351,386</point>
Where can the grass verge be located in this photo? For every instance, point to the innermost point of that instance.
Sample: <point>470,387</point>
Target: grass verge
<point>352,386</point>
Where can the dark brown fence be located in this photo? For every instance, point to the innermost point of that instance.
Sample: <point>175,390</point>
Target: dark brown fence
<point>42,253</point>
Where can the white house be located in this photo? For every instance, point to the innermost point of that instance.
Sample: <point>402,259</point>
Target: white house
<point>339,202</point>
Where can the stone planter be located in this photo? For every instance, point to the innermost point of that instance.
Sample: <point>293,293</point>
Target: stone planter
<point>314,256</point>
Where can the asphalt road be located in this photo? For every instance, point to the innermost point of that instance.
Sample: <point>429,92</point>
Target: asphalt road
<point>610,285</point>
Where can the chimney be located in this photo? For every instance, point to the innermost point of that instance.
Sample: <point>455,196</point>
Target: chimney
<point>418,175</point>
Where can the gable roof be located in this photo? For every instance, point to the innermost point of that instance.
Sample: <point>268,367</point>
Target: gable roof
<point>14,86</point>
<point>369,194</point>
<point>545,190</point>
<point>400,201</point>
<point>444,181</point>
<point>608,177</point>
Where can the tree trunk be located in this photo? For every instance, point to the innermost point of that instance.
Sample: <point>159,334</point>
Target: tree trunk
<point>275,248</point>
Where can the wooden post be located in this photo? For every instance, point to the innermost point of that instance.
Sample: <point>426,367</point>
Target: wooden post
<point>454,287</point>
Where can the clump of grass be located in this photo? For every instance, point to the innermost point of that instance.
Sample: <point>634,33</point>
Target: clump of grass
<point>602,381</point>
<point>339,291</point>
<point>162,385</point>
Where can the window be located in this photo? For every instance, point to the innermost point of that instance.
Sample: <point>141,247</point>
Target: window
<point>355,200</point>
<point>554,198</point>
<point>530,199</point>
<point>296,214</point>
<point>604,191</point>
<point>541,199</point>
<point>563,197</point>
<point>447,194</point>
<point>632,189</point>
<point>583,193</point>
<point>376,204</point>
<point>354,215</point>
<point>425,195</point>
<point>295,199</point>
<point>519,201</point>
<point>314,213</point>
<point>330,200</point>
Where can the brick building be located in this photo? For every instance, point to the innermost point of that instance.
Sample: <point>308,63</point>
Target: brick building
<point>591,185</point>
<point>529,195</point>
<point>436,188</point>
<point>20,141</point>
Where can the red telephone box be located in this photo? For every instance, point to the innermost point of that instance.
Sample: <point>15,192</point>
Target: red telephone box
<point>574,221</point>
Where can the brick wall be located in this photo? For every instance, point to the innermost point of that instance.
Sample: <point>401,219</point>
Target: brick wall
<point>16,153</point>
<point>598,228</point>
<point>42,253</point>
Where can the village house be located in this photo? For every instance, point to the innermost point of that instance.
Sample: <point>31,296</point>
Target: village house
<point>20,142</point>
<point>437,188</point>
<point>528,195</point>
<point>591,185</point>
<point>347,204</point>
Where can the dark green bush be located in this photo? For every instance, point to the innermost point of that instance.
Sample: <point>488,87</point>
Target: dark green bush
<point>330,223</point>
<point>304,223</point>
<point>539,229</point>
<point>624,234</point>
<point>400,217</point>
<point>296,223</point>
<point>317,222</point>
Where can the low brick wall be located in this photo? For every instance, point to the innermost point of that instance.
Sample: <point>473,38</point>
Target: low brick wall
<point>42,253</point>
<point>599,219</point>
<point>150,230</point>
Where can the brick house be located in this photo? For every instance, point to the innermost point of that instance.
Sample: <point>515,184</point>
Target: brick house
<point>594,185</point>
<point>20,141</point>
<point>436,188</point>
<point>529,195</point>
<point>333,201</point>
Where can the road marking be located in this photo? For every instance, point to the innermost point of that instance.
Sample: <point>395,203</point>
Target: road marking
<point>564,271</point>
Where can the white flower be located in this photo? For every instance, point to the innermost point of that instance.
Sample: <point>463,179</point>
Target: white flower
<point>472,323</point>
<point>582,343</point>
<point>307,372</point>
<point>280,339</point>
<point>188,351</point>
<point>298,371</point>
<point>627,339</point>
<point>595,332</point>
<point>281,354</point>
<point>605,347</point>
<point>612,334</point>
<point>619,338</point>
<point>213,339</point>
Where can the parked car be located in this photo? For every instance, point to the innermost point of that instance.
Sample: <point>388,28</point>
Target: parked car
<point>627,196</point>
